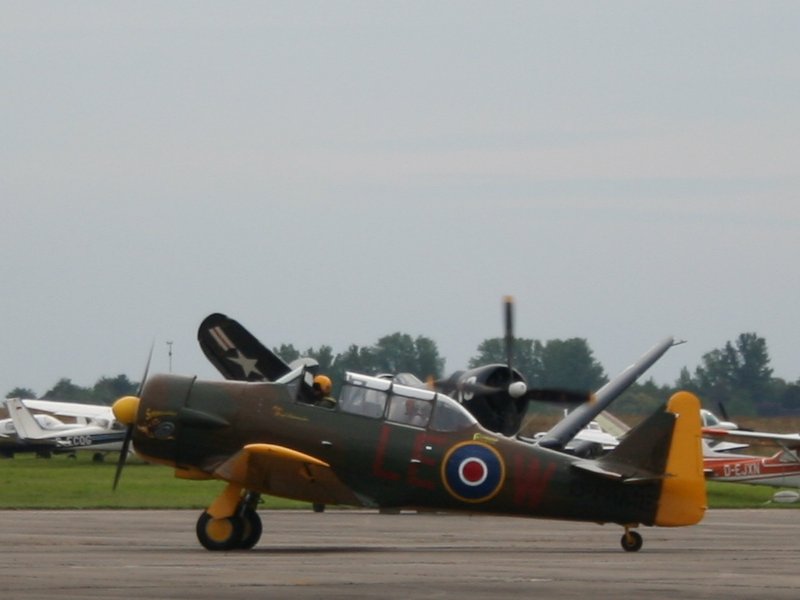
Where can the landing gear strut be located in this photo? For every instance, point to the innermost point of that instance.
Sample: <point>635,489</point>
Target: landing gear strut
<point>631,540</point>
<point>240,531</point>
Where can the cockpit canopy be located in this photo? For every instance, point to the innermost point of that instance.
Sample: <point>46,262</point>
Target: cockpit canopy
<point>383,398</point>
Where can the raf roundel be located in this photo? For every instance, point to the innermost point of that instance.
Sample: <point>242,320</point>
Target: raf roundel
<point>473,472</point>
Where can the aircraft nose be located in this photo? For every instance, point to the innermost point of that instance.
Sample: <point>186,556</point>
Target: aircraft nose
<point>125,409</point>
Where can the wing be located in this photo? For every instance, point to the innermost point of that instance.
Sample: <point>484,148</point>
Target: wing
<point>787,440</point>
<point>236,353</point>
<point>566,429</point>
<point>281,471</point>
<point>70,409</point>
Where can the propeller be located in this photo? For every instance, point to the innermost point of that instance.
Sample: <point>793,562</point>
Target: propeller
<point>508,302</point>
<point>514,389</point>
<point>125,410</point>
<point>560,396</point>
<point>518,389</point>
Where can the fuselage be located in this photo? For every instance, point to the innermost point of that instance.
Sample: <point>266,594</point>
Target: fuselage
<point>373,446</point>
<point>779,470</point>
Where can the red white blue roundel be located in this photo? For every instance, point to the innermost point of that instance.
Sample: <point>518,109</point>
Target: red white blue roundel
<point>473,472</point>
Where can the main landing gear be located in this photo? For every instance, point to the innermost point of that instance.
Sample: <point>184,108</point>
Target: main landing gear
<point>239,531</point>
<point>631,540</point>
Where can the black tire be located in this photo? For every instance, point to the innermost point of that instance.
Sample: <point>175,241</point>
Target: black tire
<point>631,541</point>
<point>252,529</point>
<point>219,534</point>
<point>318,507</point>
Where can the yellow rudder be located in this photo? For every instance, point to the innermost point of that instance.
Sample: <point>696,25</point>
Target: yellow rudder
<point>683,498</point>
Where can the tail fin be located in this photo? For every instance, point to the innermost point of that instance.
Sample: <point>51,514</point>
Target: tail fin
<point>236,353</point>
<point>26,426</point>
<point>683,498</point>
<point>665,448</point>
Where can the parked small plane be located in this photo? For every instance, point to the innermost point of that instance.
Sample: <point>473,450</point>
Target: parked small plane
<point>97,429</point>
<point>10,443</point>
<point>270,438</point>
<point>779,470</point>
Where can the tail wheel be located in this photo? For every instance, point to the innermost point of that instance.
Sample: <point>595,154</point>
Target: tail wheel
<point>252,529</point>
<point>220,534</point>
<point>631,541</point>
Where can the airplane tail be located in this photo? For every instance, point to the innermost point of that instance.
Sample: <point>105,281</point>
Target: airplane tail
<point>665,448</point>
<point>236,353</point>
<point>27,427</point>
<point>683,498</point>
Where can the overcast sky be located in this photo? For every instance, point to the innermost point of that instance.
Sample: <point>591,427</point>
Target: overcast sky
<point>332,172</point>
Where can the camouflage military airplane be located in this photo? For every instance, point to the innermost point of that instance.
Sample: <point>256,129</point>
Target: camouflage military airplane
<point>270,438</point>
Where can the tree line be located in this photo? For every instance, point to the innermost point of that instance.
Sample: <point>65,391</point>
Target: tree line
<point>736,377</point>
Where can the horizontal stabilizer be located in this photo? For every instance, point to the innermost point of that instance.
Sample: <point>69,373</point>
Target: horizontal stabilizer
<point>624,475</point>
<point>641,456</point>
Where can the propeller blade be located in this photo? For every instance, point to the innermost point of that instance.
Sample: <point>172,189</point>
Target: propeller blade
<point>479,389</point>
<point>559,396</point>
<point>508,302</point>
<point>126,442</point>
<point>554,396</point>
<point>146,369</point>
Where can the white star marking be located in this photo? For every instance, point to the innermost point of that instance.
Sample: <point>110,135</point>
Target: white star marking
<point>248,364</point>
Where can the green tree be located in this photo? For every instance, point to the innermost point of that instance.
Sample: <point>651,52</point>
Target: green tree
<point>67,391</point>
<point>431,364</point>
<point>737,375</point>
<point>400,353</point>
<point>568,364</point>
<point>524,357</point>
<point>324,356</point>
<point>394,353</point>
<point>642,398</point>
<point>287,352</point>
<point>21,392</point>
<point>785,398</point>
<point>356,358</point>
<point>686,382</point>
<point>108,389</point>
<point>790,399</point>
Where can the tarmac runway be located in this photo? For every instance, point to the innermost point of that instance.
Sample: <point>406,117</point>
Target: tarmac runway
<point>65,555</point>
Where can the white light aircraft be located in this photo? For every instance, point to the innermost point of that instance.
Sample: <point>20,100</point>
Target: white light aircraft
<point>95,429</point>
